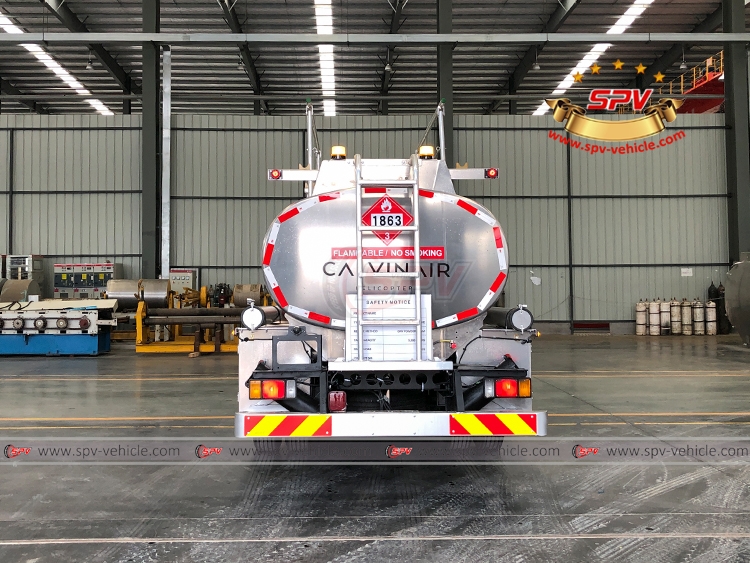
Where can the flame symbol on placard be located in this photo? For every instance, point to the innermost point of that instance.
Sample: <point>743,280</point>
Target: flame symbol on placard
<point>386,206</point>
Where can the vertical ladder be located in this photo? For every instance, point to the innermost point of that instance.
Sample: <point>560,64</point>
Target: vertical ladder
<point>362,230</point>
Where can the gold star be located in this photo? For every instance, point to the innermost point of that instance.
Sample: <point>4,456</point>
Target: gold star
<point>595,68</point>
<point>659,77</point>
<point>578,77</point>
<point>618,64</point>
<point>640,68</point>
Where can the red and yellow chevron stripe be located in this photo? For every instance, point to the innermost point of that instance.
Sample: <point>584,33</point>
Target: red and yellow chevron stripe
<point>294,425</point>
<point>493,424</point>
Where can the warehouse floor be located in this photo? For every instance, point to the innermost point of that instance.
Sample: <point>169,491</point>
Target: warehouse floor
<point>591,386</point>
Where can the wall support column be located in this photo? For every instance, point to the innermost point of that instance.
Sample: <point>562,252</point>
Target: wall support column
<point>151,139</point>
<point>737,130</point>
<point>445,75</point>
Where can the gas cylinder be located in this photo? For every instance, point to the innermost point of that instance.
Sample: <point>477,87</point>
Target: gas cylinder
<point>664,316</point>
<point>640,318</point>
<point>675,317</point>
<point>711,324</point>
<point>699,318</point>
<point>654,320</point>
<point>687,317</point>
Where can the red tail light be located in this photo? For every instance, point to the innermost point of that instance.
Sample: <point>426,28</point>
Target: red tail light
<point>274,174</point>
<point>490,173</point>
<point>337,401</point>
<point>273,389</point>
<point>506,388</point>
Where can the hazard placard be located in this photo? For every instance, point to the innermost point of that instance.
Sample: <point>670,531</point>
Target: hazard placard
<point>387,212</point>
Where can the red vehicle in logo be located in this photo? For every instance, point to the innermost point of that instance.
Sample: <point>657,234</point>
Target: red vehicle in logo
<point>581,451</point>
<point>204,451</point>
<point>606,99</point>
<point>395,451</point>
<point>12,451</point>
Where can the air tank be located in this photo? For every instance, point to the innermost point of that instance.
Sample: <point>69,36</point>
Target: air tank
<point>640,318</point>
<point>687,317</point>
<point>711,324</point>
<point>654,318</point>
<point>699,318</point>
<point>310,251</point>
<point>675,316</point>
<point>664,317</point>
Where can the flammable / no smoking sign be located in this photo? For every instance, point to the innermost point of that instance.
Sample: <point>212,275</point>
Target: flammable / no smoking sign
<point>387,213</point>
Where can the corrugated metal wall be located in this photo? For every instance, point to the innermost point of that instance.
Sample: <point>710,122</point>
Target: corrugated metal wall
<point>635,220</point>
<point>76,189</point>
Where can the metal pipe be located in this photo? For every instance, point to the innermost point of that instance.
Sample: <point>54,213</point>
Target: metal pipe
<point>345,39</point>
<point>441,129</point>
<point>205,322</point>
<point>166,127</point>
<point>309,116</point>
<point>210,312</point>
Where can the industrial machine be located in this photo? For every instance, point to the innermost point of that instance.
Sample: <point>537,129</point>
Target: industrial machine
<point>25,267</point>
<point>194,321</point>
<point>386,277</point>
<point>56,327</point>
<point>84,281</point>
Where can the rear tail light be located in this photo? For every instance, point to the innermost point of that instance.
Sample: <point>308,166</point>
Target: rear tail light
<point>490,173</point>
<point>524,388</point>
<point>274,174</point>
<point>275,389</point>
<point>337,401</point>
<point>506,388</point>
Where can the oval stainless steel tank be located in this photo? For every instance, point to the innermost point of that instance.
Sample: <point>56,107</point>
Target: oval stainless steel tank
<point>737,296</point>
<point>309,255</point>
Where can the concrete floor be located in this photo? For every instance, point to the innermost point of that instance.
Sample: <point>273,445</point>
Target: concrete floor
<point>591,386</point>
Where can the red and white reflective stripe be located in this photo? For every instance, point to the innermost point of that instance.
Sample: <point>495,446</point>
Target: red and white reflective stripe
<point>312,315</point>
<point>307,204</point>
<point>495,287</point>
<point>385,191</point>
<point>268,252</point>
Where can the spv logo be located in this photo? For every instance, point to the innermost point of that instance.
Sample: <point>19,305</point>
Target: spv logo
<point>605,99</point>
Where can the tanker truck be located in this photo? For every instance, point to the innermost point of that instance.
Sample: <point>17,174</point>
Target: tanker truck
<point>386,280</point>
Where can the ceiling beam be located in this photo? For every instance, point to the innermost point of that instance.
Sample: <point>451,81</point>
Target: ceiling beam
<point>555,21</point>
<point>63,13</point>
<point>7,88</point>
<point>247,58</point>
<point>350,39</point>
<point>674,53</point>
<point>386,80</point>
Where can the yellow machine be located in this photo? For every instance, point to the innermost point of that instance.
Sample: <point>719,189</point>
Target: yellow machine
<point>194,321</point>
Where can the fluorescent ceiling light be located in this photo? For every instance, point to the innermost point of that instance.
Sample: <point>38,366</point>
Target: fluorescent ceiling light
<point>625,21</point>
<point>324,26</point>
<point>55,67</point>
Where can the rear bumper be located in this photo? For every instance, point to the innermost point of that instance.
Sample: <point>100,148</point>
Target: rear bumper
<point>374,425</point>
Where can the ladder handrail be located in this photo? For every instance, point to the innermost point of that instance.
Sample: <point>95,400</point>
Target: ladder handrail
<point>412,184</point>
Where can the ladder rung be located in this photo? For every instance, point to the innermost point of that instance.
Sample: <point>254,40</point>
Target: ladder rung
<point>384,322</point>
<point>387,183</point>
<point>389,275</point>
<point>363,229</point>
